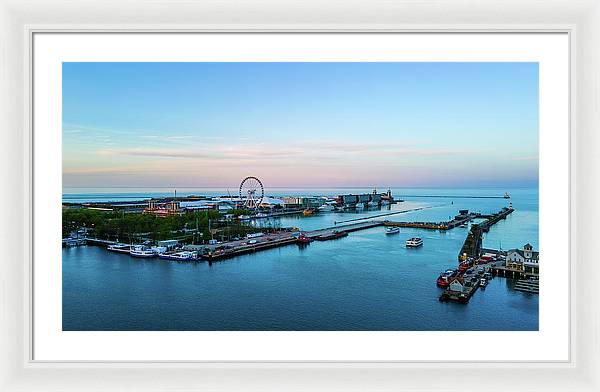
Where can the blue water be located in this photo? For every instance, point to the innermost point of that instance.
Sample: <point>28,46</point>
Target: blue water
<point>366,281</point>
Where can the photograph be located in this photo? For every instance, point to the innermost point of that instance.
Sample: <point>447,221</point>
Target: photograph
<point>300,196</point>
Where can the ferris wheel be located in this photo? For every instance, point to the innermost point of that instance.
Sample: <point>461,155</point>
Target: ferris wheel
<point>251,192</point>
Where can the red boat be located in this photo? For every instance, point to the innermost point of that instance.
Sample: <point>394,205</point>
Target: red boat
<point>303,239</point>
<point>462,267</point>
<point>443,281</point>
<point>445,278</point>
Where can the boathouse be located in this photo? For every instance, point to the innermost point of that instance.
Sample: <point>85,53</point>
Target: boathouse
<point>525,259</point>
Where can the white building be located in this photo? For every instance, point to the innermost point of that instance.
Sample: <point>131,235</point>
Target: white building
<point>526,257</point>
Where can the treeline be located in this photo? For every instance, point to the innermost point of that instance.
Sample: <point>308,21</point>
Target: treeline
<point>192,227</point>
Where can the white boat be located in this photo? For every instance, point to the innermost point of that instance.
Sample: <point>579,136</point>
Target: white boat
<point>360,206</point>
<point>179,256</point>
<point>326,207</point>
<point>392,230</point>
<point>158,249</point>
<point>483,282</point>
<point>372,204</point>
<point>141,251</point>
<point>414,242</point>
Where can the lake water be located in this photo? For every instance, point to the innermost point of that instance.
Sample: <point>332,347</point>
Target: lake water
<point>366,281</point>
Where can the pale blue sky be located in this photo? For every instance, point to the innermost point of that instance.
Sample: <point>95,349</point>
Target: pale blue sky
<point>300,124</point>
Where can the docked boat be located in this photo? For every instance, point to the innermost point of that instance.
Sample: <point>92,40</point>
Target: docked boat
<point>308,212</point>
<point>302,239</point>
<point>373,204</point>
<point>414,242</point>
<point>506,195</point>
<point>483,282</point>
<point>119,248</point>
<point>360,206</point>
<point>392,230</point>
<point>445,278</point>
<point>141,251</point>
<point>326,207</point>
<point>462,267</point>
<point>179,256</point>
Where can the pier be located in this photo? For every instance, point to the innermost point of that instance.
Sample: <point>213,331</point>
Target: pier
<point>472,245</point>
<point>456,196</point>
<point>457,221</point>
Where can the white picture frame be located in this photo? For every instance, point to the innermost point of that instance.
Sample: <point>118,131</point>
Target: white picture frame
<point>18,21</point>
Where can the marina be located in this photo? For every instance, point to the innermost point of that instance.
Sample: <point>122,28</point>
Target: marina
<point>368,224</point>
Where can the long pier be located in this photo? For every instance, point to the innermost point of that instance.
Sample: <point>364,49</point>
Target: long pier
<point>472,245</point>
<point>388,214</point>
<point>457,221</point>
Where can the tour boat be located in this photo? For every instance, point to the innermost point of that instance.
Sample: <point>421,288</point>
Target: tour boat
<point>414,242</point>
<point>179,256</point>
<point>392,230</point>
<point>141,251</point>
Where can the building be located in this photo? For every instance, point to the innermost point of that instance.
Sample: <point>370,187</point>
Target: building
<point>458,285</point>
<point>290,202</point>
<point>163,210</point>
<point>525,259</point>
<point>271,202</point>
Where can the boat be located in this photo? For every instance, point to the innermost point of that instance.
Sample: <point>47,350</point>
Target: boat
<point>462,267</point>
<point>506,195</point>
<point>141,251</point>
<point>302,239</point>
<point>308,212</point>
<point>372,204</point>
<point>483,282</point>
<point>326,207</point>
<point>392,230</point>
<point>446,277</point>
<point>360,206</point>
<point>179,256</point>
<point>158,249</point>
<point>414,242</point>
<point>119,248</point>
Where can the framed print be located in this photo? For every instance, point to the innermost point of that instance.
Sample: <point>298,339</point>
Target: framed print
<point>231,206</point>
<point>283,197</point>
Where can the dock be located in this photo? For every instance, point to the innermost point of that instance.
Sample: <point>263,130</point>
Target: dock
<point>269,241</point>
<point>531,286</point>
<point>460,296</point>
<point>348,228</point>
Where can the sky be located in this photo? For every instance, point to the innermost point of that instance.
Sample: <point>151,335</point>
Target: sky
<point>300,124</point>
